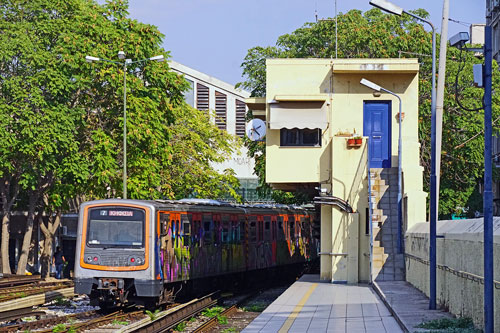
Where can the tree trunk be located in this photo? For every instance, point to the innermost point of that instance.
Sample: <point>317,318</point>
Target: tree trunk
<point>5,243</point>
<point>23,258</point>
<point>8,195</point>
<point>48,233</point>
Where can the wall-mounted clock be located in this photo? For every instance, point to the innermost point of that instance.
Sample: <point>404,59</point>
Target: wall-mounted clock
<point>256,129</point>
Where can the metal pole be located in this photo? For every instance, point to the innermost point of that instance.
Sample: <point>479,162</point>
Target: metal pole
<point>433,178</point>
<point>433,194</point>
<point>400,175</point>
<point>488,194</point>
<point>125,130</point>
<point>440,94</point>
<point>400,180</point>
<point>336,40</point>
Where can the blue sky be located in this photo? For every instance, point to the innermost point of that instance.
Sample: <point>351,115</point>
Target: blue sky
<point>213,36</point>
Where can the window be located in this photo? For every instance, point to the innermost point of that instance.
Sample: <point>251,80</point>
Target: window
<point>202,98</point>
<point>240,118</point>
<point>207,230</point>
<point>186,228</point>
<point>220,110</point>
<point>300,137</point>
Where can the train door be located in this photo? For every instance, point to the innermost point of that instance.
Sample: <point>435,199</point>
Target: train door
<point>234,240</point>
<point>217,248</point>
<point>291,234</point>
<point>166,246</point>
<point>196,237</point>
<point>196,230</point>
<point>243,240</point>
<point>176,241</point>
<point>225,238</point>
<point>274,233</point>
<point>175,225</point>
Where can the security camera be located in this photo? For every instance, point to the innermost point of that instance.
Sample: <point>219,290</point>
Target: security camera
<point>459,39</point>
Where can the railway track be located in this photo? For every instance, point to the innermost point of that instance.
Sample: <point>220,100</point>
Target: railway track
<point>20,291</point>
<point>166,320</point>
<point>11,280</point>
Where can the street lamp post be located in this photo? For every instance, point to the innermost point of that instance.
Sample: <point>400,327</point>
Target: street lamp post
<point>125,63</point>
<point>376,87</point>
<point>393,9</point>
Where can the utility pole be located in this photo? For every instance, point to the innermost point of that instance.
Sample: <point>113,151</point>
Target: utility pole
<point>440,94</point>
<point>488,193</point>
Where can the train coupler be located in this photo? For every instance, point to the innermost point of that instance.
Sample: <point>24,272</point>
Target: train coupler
<point>110,284</point>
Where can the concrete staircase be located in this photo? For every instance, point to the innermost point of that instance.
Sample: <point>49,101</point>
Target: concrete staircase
<point>388,265</point>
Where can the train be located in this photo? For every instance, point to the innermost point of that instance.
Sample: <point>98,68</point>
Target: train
<point>140,251</point>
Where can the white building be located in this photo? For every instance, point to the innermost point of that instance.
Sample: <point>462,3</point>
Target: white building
<point>493,20</point>
<point>209,93</point>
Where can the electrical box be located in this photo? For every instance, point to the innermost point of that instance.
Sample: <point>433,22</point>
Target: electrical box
<point>477,71</point>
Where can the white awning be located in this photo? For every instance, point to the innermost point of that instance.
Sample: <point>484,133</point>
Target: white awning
<point>311,114</point>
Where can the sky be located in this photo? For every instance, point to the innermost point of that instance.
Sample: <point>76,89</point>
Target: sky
<point>213,36</point>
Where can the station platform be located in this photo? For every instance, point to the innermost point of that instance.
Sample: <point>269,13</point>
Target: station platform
<point>311,305</point>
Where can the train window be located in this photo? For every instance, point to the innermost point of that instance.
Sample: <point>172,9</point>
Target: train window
<point>281,233</point>
<point>291,227</point>
<point>233,232</point>
<point>164,223</point>
<point>207,229</point>
<point>186,228</point>
<point>267,228</point>
<point>217,230</point>
<point>225,237</point>
<point>253,229</point>
<point>241,229</point>
<point>120,227</point>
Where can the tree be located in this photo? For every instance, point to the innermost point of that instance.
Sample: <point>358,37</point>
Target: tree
<point>61,118</point>
<point>374,34</point>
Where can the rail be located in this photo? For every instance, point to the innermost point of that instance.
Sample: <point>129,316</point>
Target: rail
<point>462,274</point>
<point>166,320</point>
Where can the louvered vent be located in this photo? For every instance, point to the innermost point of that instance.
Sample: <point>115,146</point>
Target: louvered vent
<point>202,98</point>
<point>240,118</point>
<point>220,110</point>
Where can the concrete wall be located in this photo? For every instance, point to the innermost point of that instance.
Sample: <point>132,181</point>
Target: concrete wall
<point>460,265</point>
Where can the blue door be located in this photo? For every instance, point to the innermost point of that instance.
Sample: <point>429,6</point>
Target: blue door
<point>377,126</point>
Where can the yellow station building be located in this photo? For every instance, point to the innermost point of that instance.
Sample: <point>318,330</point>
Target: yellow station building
<point>314,108</point>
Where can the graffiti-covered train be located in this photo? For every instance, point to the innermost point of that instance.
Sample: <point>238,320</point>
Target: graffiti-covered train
<point>139,251</point>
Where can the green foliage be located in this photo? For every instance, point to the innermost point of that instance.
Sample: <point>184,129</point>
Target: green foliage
<point>450,325</point>
<point>222,319</point>
<point>228,330</point>
<point>59,328</point>
<point>258,307</point>
<point>61,118</point>
<point>152,315</point>
<point>62,301</point>
<point>180,326</point>
<point>374,34</point>
<point>213,312</point>
<point>119,322</point>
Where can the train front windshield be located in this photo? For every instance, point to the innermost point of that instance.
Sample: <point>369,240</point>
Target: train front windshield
<point>116,227</point>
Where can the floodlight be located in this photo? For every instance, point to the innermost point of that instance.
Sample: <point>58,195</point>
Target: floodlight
<point>90,58</point>
<point>387,6</point>
<point>370,84</point>
<point>158,58</point>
